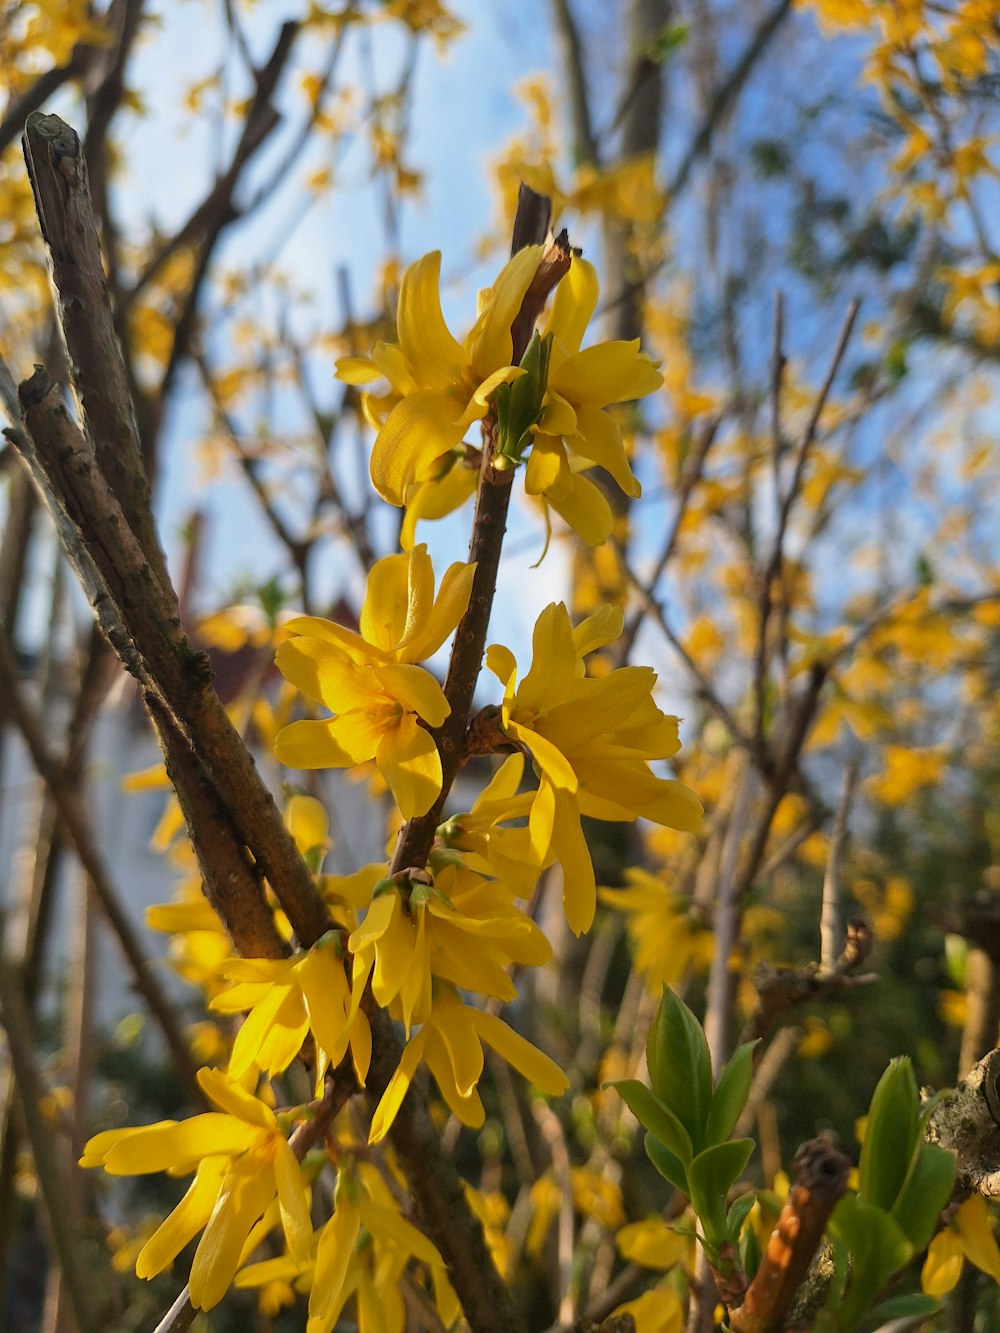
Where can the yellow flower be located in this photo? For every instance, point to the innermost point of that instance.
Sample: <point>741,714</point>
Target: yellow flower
<point>667,940</point>
<point>463,929</point>
<point>369,680</point>
<point>576,432</point>
<point>968,1236</point>
<point>450,1044</point>
<point>489,846</point>
<point>284,998</point>
<point>591,739</point>
<point>362,1251</point>
<point>242,1160</point>
<point>441,386</point>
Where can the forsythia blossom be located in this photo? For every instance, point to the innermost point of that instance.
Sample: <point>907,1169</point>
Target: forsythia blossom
<point>591,740</point>
<point>242,1161</point>
<point>440,386</point>
<point>370,681</point>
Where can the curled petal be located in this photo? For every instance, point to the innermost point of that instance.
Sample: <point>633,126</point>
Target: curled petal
<point>429,348</point>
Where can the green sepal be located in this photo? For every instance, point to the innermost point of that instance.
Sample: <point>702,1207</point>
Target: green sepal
<point>680,1066</point>
<point>711,1176</point>
<point>669,1165</point>
<point>730,1095</point>
<point>655,1117</point>
<point>518,406</point>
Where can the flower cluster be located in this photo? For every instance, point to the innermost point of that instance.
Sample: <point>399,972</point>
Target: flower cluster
<point>438,945</point>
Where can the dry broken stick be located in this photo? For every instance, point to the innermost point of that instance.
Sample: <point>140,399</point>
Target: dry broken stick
<point>820,1180</point>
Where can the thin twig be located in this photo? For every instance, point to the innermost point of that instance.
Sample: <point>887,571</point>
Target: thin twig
<point>830,924</point>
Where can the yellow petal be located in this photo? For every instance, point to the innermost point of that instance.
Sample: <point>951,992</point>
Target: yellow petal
<point>178,1145</point>
<point>598,630</point>
<point>574,304</point>
<point>552,762</point>
<point>293,1202</point>
<point>324,988</point>
<point>943,1265</point>
<point>501,661</point>
<point>186,1220</point>
<point>613,372</point>
<point>272,1035</point>
<point>488,346</point>
<point>425,636</point>
<point>310,744</point>
<point>586,510</point>
<point>247,1189</point>
<point>397,1087</point>
<point>356,370</point>
<point>236,1100</point>
<point>454,1024</point>
<point>599,439</point>
<point>570,846</point>
<point>383,613</point>
<point>433,354</point>
<point>975,1227</point>
<point>553,661</point>
<point>548,471</point>
<point>416,689</point>
<point>536,1067</point>
<point>417,431</point>
<point>333,1254</point>
<point>409,761</point>
<point>307,822</point>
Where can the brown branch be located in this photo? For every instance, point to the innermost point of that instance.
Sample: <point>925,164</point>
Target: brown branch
<point>158,651</point>
<point>58,173</point>
<point>820,1180</point>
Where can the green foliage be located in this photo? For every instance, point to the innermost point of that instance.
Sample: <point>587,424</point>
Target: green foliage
<point>688,1123</point>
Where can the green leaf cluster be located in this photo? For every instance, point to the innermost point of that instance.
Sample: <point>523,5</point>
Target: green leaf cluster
<point>904,1183</point>
<point>688,1121</point>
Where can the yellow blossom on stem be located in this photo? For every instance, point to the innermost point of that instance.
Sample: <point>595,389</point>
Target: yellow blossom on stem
<point>450,1044</point>
<point>383,702</point>
<point>464,929</point>
<point>362,1251</point>
<point>576,431</point>
<point>242,1161</point>
<point>969,1236</point>
<point>490,847</point>
<point>591,740</point>
<point>440,386</point>
<point>284,999</point>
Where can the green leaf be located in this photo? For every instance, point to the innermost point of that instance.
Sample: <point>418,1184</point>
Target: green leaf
<point>924,1193</point>
<point>912,1306</point>
<point>730,1095</point>
<point>878,1248</point>
<point>654,1116</point>
<point>711,1176</point>
<point>669,1166</point>
<point>891,1135</point>
<point>680,1066</point>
